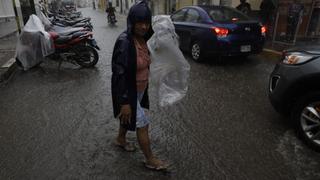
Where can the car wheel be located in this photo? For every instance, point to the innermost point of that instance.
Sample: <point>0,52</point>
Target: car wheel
<point>306,114</point>
<point>196,52</point>
<point>244,57</point>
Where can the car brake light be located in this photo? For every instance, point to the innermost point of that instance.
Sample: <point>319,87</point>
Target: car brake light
<point>263,30</point>
<point>221,32</point>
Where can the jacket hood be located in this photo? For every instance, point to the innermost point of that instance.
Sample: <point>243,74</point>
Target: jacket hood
<point>138,13</point>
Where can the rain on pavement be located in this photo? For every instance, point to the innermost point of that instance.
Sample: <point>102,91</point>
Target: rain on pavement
<point>58,124</point>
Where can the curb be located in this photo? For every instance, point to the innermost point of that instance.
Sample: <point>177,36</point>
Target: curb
<point>8,73</point>
<point>272,51</point>
<point>9,34</point>
<point>272,54</point>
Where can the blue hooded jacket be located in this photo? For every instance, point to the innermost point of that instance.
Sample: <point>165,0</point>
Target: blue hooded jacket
<point>124,65</point>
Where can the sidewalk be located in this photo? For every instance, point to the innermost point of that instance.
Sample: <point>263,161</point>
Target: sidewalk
<point>7,27</point>
<point>276,49</point>
<point>8,41</point>
<point>7,53</point>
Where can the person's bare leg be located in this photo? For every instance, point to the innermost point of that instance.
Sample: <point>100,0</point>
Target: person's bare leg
<point>121,139</point>
<point>144,142</point>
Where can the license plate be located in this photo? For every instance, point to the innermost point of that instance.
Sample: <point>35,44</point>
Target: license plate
<point>246,48</point>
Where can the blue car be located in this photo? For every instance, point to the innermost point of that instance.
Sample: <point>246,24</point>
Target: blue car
<point>217,31</point>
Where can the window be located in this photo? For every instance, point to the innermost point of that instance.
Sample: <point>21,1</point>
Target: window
<point>192,16</point>
<point>179,16</point>
<point>226,14</point>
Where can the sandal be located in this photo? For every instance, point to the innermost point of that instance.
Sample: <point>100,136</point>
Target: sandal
<point>159,167</point>
<point>129,147</point>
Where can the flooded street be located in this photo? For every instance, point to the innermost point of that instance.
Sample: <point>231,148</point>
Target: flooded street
<point>58,124</point>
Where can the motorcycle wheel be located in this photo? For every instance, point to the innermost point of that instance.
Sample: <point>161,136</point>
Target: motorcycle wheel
<point>86,56</point>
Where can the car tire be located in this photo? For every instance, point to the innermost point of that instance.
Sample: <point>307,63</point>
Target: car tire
<point>244,57</point>
<point>196,52</point>
<point>306,114</point>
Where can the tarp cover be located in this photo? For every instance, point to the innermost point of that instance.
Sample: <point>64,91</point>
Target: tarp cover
<point>34,43</point>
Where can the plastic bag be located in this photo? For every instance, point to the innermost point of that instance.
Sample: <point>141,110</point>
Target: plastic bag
<point>34,43</point>
<point>45,21</point>
<point>169,69</point>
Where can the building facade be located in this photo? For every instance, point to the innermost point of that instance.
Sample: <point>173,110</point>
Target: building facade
<point>296,21</point>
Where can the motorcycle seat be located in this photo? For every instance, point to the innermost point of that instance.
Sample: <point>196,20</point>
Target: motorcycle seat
<point>63,39</point>
<point>78,34</point>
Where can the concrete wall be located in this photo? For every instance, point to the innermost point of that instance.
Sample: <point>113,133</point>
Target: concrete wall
<point>255,4</point>
<point>158,7</point>
<point>216,2</point>
<point>9,25</point>
<point>183,3</point>
<point>126,4</point>
<point>6,8</point>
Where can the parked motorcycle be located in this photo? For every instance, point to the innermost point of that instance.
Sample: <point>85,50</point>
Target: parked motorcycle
<point>63,39</point>
<point>77,48</point>
<point>64,18</point>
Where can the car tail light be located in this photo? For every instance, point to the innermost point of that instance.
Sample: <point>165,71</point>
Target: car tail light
<point>263,30</point>
<point>221,32</point>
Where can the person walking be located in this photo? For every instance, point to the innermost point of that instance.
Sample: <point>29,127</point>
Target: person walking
<point>295,14</point>
<point>244,7</point>
<point>266,11</point>
<point>111,12</point>
<point>130,72</point>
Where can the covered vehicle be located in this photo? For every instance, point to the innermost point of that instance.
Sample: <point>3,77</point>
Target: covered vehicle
<point>34,44</point>
<point>217,31</point>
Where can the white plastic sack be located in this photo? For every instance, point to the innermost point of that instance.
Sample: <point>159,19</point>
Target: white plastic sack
<point>43,17</point>
<point>169,69</point>
<point>45,20</point>
<point>34,43</point>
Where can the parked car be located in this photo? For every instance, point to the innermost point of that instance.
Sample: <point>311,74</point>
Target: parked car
<point>294,90</point>
<point>217,30</point>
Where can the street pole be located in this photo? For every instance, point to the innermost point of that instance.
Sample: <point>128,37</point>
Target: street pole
<point>121,8</point>
<point>17,16</point>
<point>93,4</point>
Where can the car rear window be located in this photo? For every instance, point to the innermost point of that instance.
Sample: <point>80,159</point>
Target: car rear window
<point>223,14</point>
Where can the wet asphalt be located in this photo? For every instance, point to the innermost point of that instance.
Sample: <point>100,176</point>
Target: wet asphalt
<point>58,124</point>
